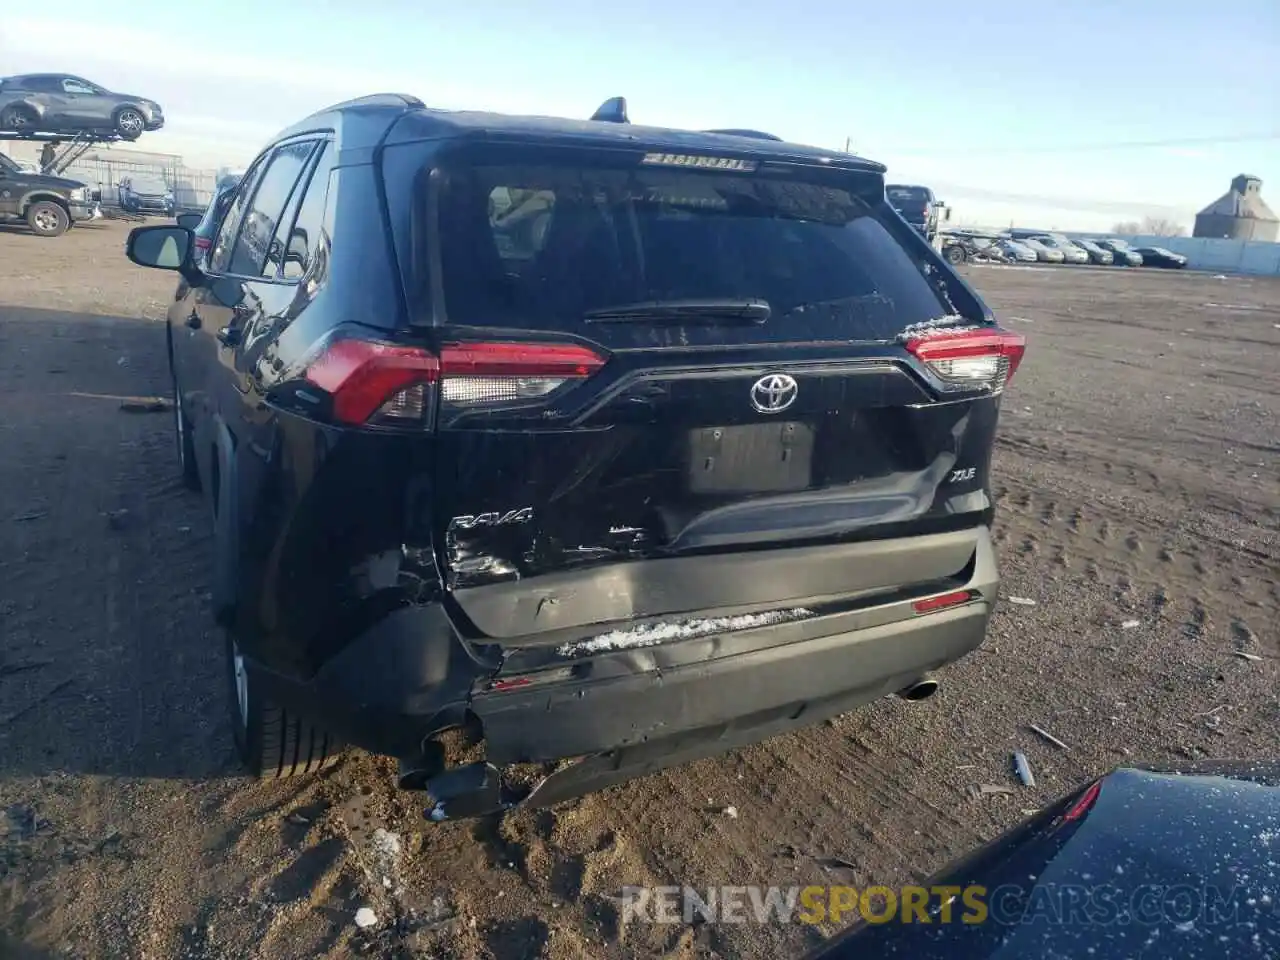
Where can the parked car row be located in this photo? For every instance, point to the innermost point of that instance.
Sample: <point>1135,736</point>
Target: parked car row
<point>1031,246</point>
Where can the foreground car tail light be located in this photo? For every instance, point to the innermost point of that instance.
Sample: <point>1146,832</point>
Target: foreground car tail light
<point>390,384</point>
<point>970,358</point>
<point>1084,804</point>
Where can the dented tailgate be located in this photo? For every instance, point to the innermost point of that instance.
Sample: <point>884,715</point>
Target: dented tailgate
<point>744,392</point>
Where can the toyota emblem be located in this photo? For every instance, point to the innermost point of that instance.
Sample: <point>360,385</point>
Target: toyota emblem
<point>774,393</point>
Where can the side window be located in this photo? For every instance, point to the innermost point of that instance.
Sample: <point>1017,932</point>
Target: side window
<point>75,86</point>
<point>224,242</point>
<point>264,213</point>
<point>304,239</point>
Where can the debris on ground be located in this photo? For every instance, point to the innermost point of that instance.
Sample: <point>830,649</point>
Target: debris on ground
<point>1247,656</point>
<point>1023,769</point>
<point>31,515</point>
<point>987,789</point>
<point>1040,732</point>
<point>1130,624</point>
<point>145,405</point>
<point>836,863</point>
<point>731,813</point>
<point>366,918</point>
<point>1022,601</point>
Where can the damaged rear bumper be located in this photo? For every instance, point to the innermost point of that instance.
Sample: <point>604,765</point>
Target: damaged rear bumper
<point>623,713</point>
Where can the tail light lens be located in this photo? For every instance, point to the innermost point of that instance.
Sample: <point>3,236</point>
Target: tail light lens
<point>1084,803</point>
<point>384,383</point>
<point>480,373</point>
<point>967,359</point>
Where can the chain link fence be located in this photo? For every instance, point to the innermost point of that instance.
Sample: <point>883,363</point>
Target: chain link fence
<point>192,187</point>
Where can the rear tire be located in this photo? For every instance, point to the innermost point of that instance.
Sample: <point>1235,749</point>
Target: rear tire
<point>955,255</point>
<point>18,119</point>
<point>272,743</point>
<point>48,219</point>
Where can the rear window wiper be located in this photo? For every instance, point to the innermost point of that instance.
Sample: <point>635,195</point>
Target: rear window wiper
<point>712,310</point>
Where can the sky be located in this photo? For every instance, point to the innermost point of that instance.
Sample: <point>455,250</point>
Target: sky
<point>1070,115</point>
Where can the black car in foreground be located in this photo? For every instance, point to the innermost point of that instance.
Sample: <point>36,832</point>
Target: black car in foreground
<point>1176,863</point>
<point>1161,257</point>
<point>62,103</point>
<point>578,439</point>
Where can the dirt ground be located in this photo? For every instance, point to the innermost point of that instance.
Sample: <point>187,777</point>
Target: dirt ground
<point>1138,477</point>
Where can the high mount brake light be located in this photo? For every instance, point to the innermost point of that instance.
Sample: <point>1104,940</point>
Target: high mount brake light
<point>971,358</point>
<point>388,383</point>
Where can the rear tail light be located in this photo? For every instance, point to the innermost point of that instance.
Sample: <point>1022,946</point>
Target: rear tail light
<point>390,384</point>
<point>479,373</point>
<point>984,357</point>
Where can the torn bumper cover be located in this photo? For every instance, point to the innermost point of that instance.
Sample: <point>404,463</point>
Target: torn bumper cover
<point>669,697</point>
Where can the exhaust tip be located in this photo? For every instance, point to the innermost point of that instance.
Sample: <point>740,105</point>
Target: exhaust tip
<point>921,689</point>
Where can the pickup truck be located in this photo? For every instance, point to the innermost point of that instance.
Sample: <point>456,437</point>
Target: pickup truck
<point>49,205</point>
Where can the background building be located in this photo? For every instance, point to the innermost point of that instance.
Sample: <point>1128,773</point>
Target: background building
<point>1239,214</point>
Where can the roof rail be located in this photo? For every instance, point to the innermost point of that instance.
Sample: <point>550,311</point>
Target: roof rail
<point>613,110</point>
<point>753,134</point>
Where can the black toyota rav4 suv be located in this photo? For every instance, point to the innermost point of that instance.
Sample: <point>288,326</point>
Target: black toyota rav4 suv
<point>582,440</point>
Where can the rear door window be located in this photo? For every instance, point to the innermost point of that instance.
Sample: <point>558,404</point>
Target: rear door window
<point>271,203</point>
<point>540,246</point>
<point>303,238</point>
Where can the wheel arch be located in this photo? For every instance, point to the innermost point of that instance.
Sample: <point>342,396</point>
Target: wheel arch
<point>35,196</point>
<point>24,103</point>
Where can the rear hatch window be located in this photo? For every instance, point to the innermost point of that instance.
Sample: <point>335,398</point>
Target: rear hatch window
<point>555,245</point>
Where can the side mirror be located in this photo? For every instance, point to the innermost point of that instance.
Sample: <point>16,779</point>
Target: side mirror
<point>189,221</point>
<point>163,247</point>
